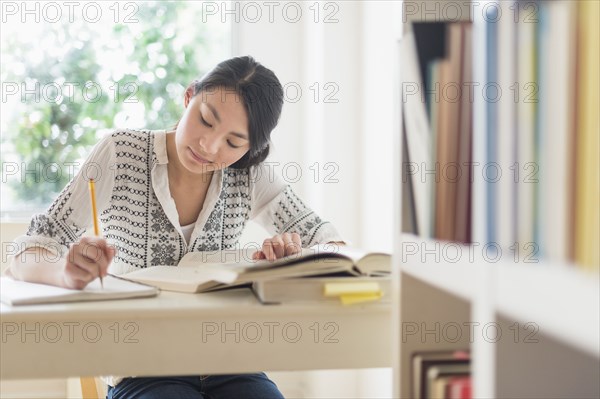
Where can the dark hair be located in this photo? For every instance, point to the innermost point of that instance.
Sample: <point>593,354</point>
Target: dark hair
<point>262,97</point>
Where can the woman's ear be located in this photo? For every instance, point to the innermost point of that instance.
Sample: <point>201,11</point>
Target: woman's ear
<point>188,95</point>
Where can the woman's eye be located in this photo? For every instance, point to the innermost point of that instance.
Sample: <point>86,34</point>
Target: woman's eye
<point>204,122</point>
<point>233,146</point>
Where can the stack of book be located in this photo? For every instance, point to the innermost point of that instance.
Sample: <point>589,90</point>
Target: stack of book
<point>321,273</point>
<point>441,375</point>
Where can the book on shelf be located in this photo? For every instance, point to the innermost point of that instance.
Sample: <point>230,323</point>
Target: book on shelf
<point>459,388</point>
<point>526,111</point>
<point>490,136</point>
<point>433,78</point>
<point>462,228</point>
<point>330,288</point>
<point>439,376</point>
<point>587,165</point>
<point>505,140</point>
<point>409,222</point>
<point>448,133</point>
<point>417,134</point>
<point>15,292</point>
<point>556,55</point>
<point>207,271</point>
<point>438,126</point>
<point>427,366</point>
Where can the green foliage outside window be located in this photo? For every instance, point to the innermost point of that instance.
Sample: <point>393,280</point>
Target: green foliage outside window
<point>94,79</point>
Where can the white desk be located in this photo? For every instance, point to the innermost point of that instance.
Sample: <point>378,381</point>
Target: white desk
<point>221,332</point>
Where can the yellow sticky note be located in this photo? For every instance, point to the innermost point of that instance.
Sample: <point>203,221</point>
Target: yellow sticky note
<point>356,288</point>
<point>359,298</point>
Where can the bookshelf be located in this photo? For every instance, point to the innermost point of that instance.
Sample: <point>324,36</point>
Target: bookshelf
<point>531,323</point>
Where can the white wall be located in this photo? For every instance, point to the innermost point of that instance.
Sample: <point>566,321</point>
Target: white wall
<point>302,54</point>
<point>354,135</point>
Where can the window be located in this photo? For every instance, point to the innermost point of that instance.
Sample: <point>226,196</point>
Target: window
<point>73,72</point>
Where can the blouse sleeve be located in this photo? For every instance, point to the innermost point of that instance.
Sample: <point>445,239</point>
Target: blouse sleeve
<point>279,210</point>
<point>70,214</point>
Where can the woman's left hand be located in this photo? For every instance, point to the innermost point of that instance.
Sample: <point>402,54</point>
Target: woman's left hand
<point>278,246</point>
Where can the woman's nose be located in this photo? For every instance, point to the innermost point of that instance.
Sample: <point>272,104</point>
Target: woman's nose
<point>210,144</point>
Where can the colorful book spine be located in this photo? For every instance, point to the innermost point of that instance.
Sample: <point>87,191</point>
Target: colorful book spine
<point>490,97</point>
<point>459,388</point>
<point>506,135</point>
<point>527,174</point>
<point>587,219</point>
<point>556,55</point>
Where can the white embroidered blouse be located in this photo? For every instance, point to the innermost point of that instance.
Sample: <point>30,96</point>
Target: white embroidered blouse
<point>139,216</point>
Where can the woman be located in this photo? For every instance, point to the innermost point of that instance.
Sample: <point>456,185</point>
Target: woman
<point>162,194</point>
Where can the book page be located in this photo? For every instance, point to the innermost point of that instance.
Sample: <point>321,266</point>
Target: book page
<point>213,258</point>
<point>366,261</point>
<point>375,264</point>
<point>352,253</point>
<point>189,276</point>
<point>241,260</point>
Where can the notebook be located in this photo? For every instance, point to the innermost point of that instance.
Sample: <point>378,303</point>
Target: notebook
<point>15,292</point>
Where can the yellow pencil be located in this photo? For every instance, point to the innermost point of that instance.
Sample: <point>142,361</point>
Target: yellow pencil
<point>95,217</point>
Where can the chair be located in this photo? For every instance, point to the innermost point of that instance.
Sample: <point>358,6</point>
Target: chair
<point>92,388</point>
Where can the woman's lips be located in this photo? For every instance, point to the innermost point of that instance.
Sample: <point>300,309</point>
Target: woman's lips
<point>198,158</point>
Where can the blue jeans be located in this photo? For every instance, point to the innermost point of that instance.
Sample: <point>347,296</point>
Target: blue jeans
<point>234,386</point>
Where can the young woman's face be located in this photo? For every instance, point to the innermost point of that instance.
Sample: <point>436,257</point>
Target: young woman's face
<point>213,132</point>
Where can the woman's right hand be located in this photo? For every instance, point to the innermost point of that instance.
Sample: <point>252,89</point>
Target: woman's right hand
<point>86,260</point>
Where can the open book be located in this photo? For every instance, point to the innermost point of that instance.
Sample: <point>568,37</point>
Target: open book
<point>206,271</point>
<point>15,292</point>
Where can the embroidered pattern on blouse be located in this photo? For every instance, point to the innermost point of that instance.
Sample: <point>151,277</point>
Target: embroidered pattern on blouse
<point>42,225</point>
<point>210,237</point>
<point>168,246</point>
<point>160,222</point>
<point>128,223</point>
<point>226,222</point>
<point>163,254</point>
<point>293,216</point>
